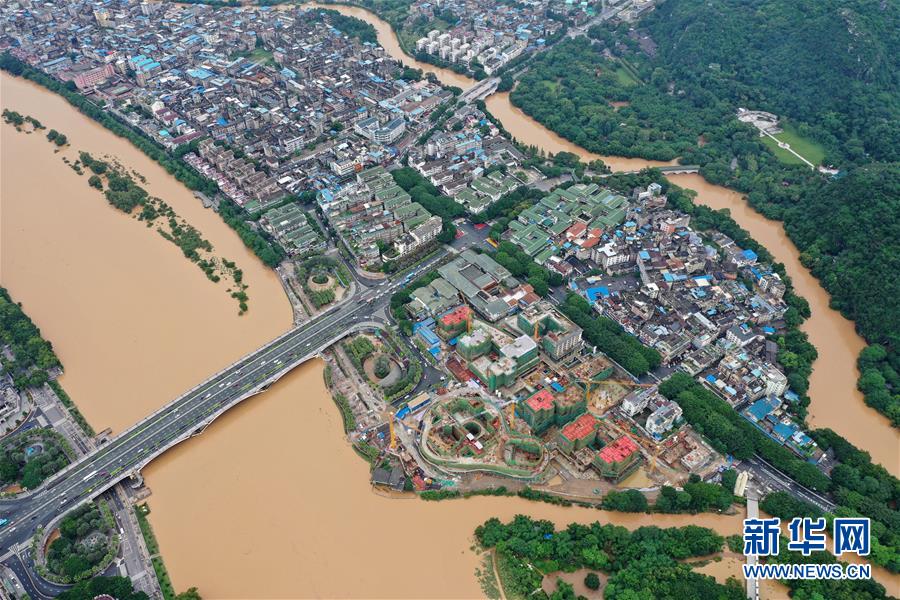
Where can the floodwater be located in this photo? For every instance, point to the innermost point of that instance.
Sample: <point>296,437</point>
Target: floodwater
<point>528,131</point>
<point>730,567</point>
<point>134,322</point>
<point>271,502</point>
<point>391,44</point>
<point>522,127</point>
<point>321,530</point>
<point>836,403</point>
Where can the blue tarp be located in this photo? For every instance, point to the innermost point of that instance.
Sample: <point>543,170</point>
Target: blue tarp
<point>593,293</point>
<point>427,323</point>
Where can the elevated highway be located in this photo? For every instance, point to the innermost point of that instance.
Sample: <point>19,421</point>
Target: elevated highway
<point>124,455</point>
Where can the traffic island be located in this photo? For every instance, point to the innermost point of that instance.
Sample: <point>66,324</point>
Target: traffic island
<point>85,545</point>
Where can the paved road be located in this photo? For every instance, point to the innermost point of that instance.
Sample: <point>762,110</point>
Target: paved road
<point>135,447</point>
<point>752,513</point>
<point>773,480</point>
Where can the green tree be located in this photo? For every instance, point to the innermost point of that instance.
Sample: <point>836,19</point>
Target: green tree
<point>382,367</point>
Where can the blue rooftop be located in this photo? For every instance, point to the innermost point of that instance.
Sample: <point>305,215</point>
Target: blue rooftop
<point>762,407</point>
<point>783,430</point>
<point>428,335</point>
<point>595,292</point>
<point>199,73</point>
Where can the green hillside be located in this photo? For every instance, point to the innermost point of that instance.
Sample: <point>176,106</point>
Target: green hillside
<point>830,63</point>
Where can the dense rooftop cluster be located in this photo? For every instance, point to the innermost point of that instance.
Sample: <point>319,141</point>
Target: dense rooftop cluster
<point>266,103</point>
<point>485,36</point>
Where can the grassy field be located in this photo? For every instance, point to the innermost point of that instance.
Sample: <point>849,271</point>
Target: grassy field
<point>261,55</point>
<point>809,149</point>
<point>625,77</point>
<point>805,147</point>
<point>780,153</point>
<point>257,55</point>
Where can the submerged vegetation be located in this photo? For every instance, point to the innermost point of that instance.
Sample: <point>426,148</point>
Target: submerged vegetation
<point>268,252</point>
<point>641,563</point>
<point>121,191</point>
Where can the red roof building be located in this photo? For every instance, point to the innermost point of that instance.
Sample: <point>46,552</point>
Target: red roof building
<point>538,410</point>
<point>579,433</point>
<point>576,230</point>
<point>618,459</point>
<point>541,400</point>
<point>456,316</point>
<point>618,451</point>
<point>581,427</point>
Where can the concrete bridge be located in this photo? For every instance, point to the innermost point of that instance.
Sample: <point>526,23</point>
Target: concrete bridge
<point>123,456</point>
<point>480,90</point>
<point>672,170</point>
<point>188,415</point>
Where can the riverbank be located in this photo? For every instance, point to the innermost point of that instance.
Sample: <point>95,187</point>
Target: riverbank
<point>835,401</point>
<point>327,507</point>
<point>130,297</point>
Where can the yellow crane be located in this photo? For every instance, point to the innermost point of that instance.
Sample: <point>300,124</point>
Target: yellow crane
<point>393,435</point>
<point>587,383</point>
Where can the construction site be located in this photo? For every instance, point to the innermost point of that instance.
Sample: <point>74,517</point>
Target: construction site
<point>529,403</point>
<point>466,432</point>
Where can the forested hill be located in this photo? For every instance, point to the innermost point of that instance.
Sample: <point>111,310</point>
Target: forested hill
<point>847,232</point>
<point>831,63</point>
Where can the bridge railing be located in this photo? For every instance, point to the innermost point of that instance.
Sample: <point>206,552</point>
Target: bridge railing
<point>257,389</point>
<point>85,458</point>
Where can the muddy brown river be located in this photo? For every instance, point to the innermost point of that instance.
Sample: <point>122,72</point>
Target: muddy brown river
<point>271,502</point>
<point>836,403</point>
